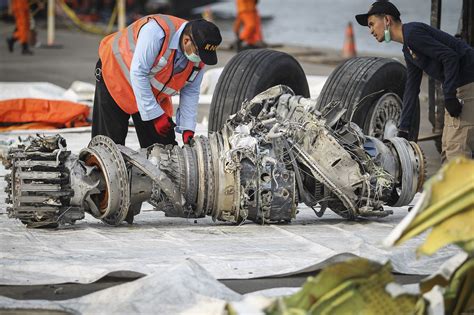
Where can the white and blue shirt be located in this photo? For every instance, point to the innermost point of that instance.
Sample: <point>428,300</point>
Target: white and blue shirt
<point>148,47</point>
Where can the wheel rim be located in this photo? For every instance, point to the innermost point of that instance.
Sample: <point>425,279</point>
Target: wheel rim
<point>385,116</point>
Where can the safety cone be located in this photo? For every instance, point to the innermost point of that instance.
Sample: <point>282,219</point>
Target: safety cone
<point>349,49</point>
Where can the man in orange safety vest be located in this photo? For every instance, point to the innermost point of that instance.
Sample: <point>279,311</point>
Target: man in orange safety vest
<point>141,67</point>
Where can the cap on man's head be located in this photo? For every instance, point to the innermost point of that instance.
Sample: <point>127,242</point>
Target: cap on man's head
<point>378,7</point>
<point>206,37</point>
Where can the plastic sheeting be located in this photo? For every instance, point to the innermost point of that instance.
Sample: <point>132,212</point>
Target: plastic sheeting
<point>35,113</point>
<point>44,90</point>
<point>89,250</point>
<point>184,289</point>
<point>80,92</point>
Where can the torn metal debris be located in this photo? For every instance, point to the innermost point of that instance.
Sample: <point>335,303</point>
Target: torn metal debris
<point>276,152</point>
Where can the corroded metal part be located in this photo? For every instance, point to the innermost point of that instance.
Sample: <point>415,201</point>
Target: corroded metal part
<point>276,152</point>
<point>411,169</point>
<point>38,186</point>
<point>154,173</point>
<point>106,156</point>
<point>204,176</point>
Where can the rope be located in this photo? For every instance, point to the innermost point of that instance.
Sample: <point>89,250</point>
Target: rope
<point>88,27</point>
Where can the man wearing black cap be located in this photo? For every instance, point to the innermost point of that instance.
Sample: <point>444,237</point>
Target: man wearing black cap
<point>142,67</point>
<point>444,58</point>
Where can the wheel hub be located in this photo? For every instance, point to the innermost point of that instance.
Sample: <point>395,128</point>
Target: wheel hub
<point>385,116</point>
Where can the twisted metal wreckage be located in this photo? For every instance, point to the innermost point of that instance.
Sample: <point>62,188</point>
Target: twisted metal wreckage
<point>276,152</point>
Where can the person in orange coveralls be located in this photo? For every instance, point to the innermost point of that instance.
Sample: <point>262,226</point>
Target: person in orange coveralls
<point>21,12</point>
<point>247,25</point>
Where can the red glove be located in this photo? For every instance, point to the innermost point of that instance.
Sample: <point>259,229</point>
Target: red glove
<point>163,125</point>
<point>188,135</point>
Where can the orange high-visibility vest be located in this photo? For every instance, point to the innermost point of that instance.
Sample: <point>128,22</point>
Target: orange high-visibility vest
<point>116,52</point>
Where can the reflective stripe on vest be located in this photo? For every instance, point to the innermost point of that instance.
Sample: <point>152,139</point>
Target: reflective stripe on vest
<point>118,57</point>
<point>167,90</point>
<point>164,59</point>
<point>131,42</point>
<point>161,87</point>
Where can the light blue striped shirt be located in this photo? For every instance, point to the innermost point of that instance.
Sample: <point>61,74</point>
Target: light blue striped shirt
<point>149,42</point>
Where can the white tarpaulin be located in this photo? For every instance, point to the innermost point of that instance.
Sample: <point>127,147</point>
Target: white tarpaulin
<point>90,249</point>
<point>81,92</point>
<point>185,289</point>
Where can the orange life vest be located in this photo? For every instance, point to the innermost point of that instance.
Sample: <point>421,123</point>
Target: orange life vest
<point>116,52</point>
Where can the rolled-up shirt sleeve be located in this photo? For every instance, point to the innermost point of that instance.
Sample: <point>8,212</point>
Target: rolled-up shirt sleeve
<point>186,115</point>
<point>410,96</point>
<point>148,46</point>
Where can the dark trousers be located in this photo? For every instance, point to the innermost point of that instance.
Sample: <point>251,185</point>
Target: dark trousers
<point>110,120</point>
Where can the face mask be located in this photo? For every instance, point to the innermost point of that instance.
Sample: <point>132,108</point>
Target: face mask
<point>387,36</point>
<point>192,57</point>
